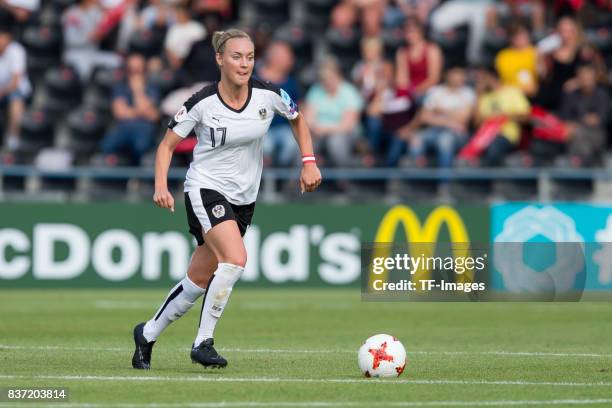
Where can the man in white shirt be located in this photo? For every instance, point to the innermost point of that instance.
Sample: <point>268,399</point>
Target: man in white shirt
<point>19,10</point>
<point>182,35</point>
<point>14,84</point>
<point>81,39</point>
<point>445,116</point>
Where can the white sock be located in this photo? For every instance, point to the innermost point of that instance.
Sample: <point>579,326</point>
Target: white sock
<point>180,299</point>
<point>217,296</point>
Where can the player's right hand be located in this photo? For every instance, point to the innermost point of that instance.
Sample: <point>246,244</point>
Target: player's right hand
<point>163,199</point>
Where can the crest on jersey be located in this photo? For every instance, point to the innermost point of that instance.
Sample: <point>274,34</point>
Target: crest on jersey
<point>218,211</point>
<point>263,112</point>
<point>181,114</point>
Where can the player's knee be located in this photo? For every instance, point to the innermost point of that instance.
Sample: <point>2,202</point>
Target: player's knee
<point>227,275</point>
<point>238,259</point>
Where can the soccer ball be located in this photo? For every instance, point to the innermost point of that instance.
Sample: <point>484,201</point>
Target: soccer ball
<point>382,356</point>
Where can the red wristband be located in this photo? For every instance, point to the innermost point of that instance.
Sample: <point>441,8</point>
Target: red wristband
<point>308,159</point>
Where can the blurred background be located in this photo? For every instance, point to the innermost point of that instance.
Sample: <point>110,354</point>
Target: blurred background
<point>407,100</point>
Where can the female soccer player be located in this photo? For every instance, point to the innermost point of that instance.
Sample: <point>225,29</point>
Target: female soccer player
<point>230,119</point>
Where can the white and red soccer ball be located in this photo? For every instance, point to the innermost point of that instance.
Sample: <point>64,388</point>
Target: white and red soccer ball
<point>382,356</point>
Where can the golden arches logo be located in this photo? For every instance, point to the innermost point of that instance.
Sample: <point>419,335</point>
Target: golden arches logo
<point>422,238</point>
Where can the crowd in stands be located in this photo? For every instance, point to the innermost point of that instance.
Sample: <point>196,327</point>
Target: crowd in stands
<point>382,83</point>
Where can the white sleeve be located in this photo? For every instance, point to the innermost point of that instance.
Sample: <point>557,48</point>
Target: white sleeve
<point>283,104</point>
<point>185,120</point>
<point>18,61</point>
<point>432,98</point>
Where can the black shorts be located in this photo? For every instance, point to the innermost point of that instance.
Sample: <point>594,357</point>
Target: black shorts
<point>207,208</point>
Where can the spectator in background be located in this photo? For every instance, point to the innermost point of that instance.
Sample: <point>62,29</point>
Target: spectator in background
<point>18,10</point>
<point>397,11</point>
<point>419,64</point>
<point>110,4</point>
<point>517,64</point>
<point>332,108</point>
<point>560,56</point>
<point>389,109</point>
<point>135,112</point>
<point>498,100</point>
<point>372,13</point>
<point>586,110</point>
<point>81,39</point>
<point>586,12</point>
<point>590,55</point>
<point>200,66</point>
<point>368,71</point>
<point>456,13</point>
<point>125,19</point>
<point>445,116</point>
<point>181,36</point>
<point>343,17</point>
<point>279,146</point>
<point>14,84</point>
<point>220,10</point>
<point>157,14</point>
<point>533,10</point>
<point>198,70</point>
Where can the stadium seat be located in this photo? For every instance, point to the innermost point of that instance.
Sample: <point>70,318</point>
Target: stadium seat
<point>109,160</point>
<point>64,91</point>
<point>54,161</point>
<point>453,44</point>
<point>544,153</point>
<point>61,5</point>
<point>318,12</point>
<point>86,128</point>
<point>165,81</point>
<point>412,190</point>
<point>147,42</point>
<point>105,79</point>
<point>106,188</point>
<point>44,48</point>
<point>307,76</point>
<point>272,12</point>
<point>145,188</point>
<point>299,40</point>
<point>344,45</point>
<point>12,184</point>
<point>50,16</point>
<point>517,189</point>
<point>392,40</point>
<point>3,121</point>
<point>601,38</point>
<point>469,190</point>
<point>494,42</point>
<point>571,189</point>
<point>37,130</point>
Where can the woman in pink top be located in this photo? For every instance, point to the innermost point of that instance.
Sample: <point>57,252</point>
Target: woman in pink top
<point>419,64</point>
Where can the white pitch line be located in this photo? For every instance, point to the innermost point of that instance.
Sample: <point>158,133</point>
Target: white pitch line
<point>516,353</point>
<point>12,347</point>
<point>200,378</point>
<point>327,351</point>
<point>325,404</point>
<point>110,304</point>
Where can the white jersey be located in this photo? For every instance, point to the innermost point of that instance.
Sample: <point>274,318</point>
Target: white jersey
<point>229,156</point>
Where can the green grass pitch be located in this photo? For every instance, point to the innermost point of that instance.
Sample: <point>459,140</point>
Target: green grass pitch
<point>297,348</point>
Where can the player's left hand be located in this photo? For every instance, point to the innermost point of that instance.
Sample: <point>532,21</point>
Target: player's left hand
<point>310,178</point>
